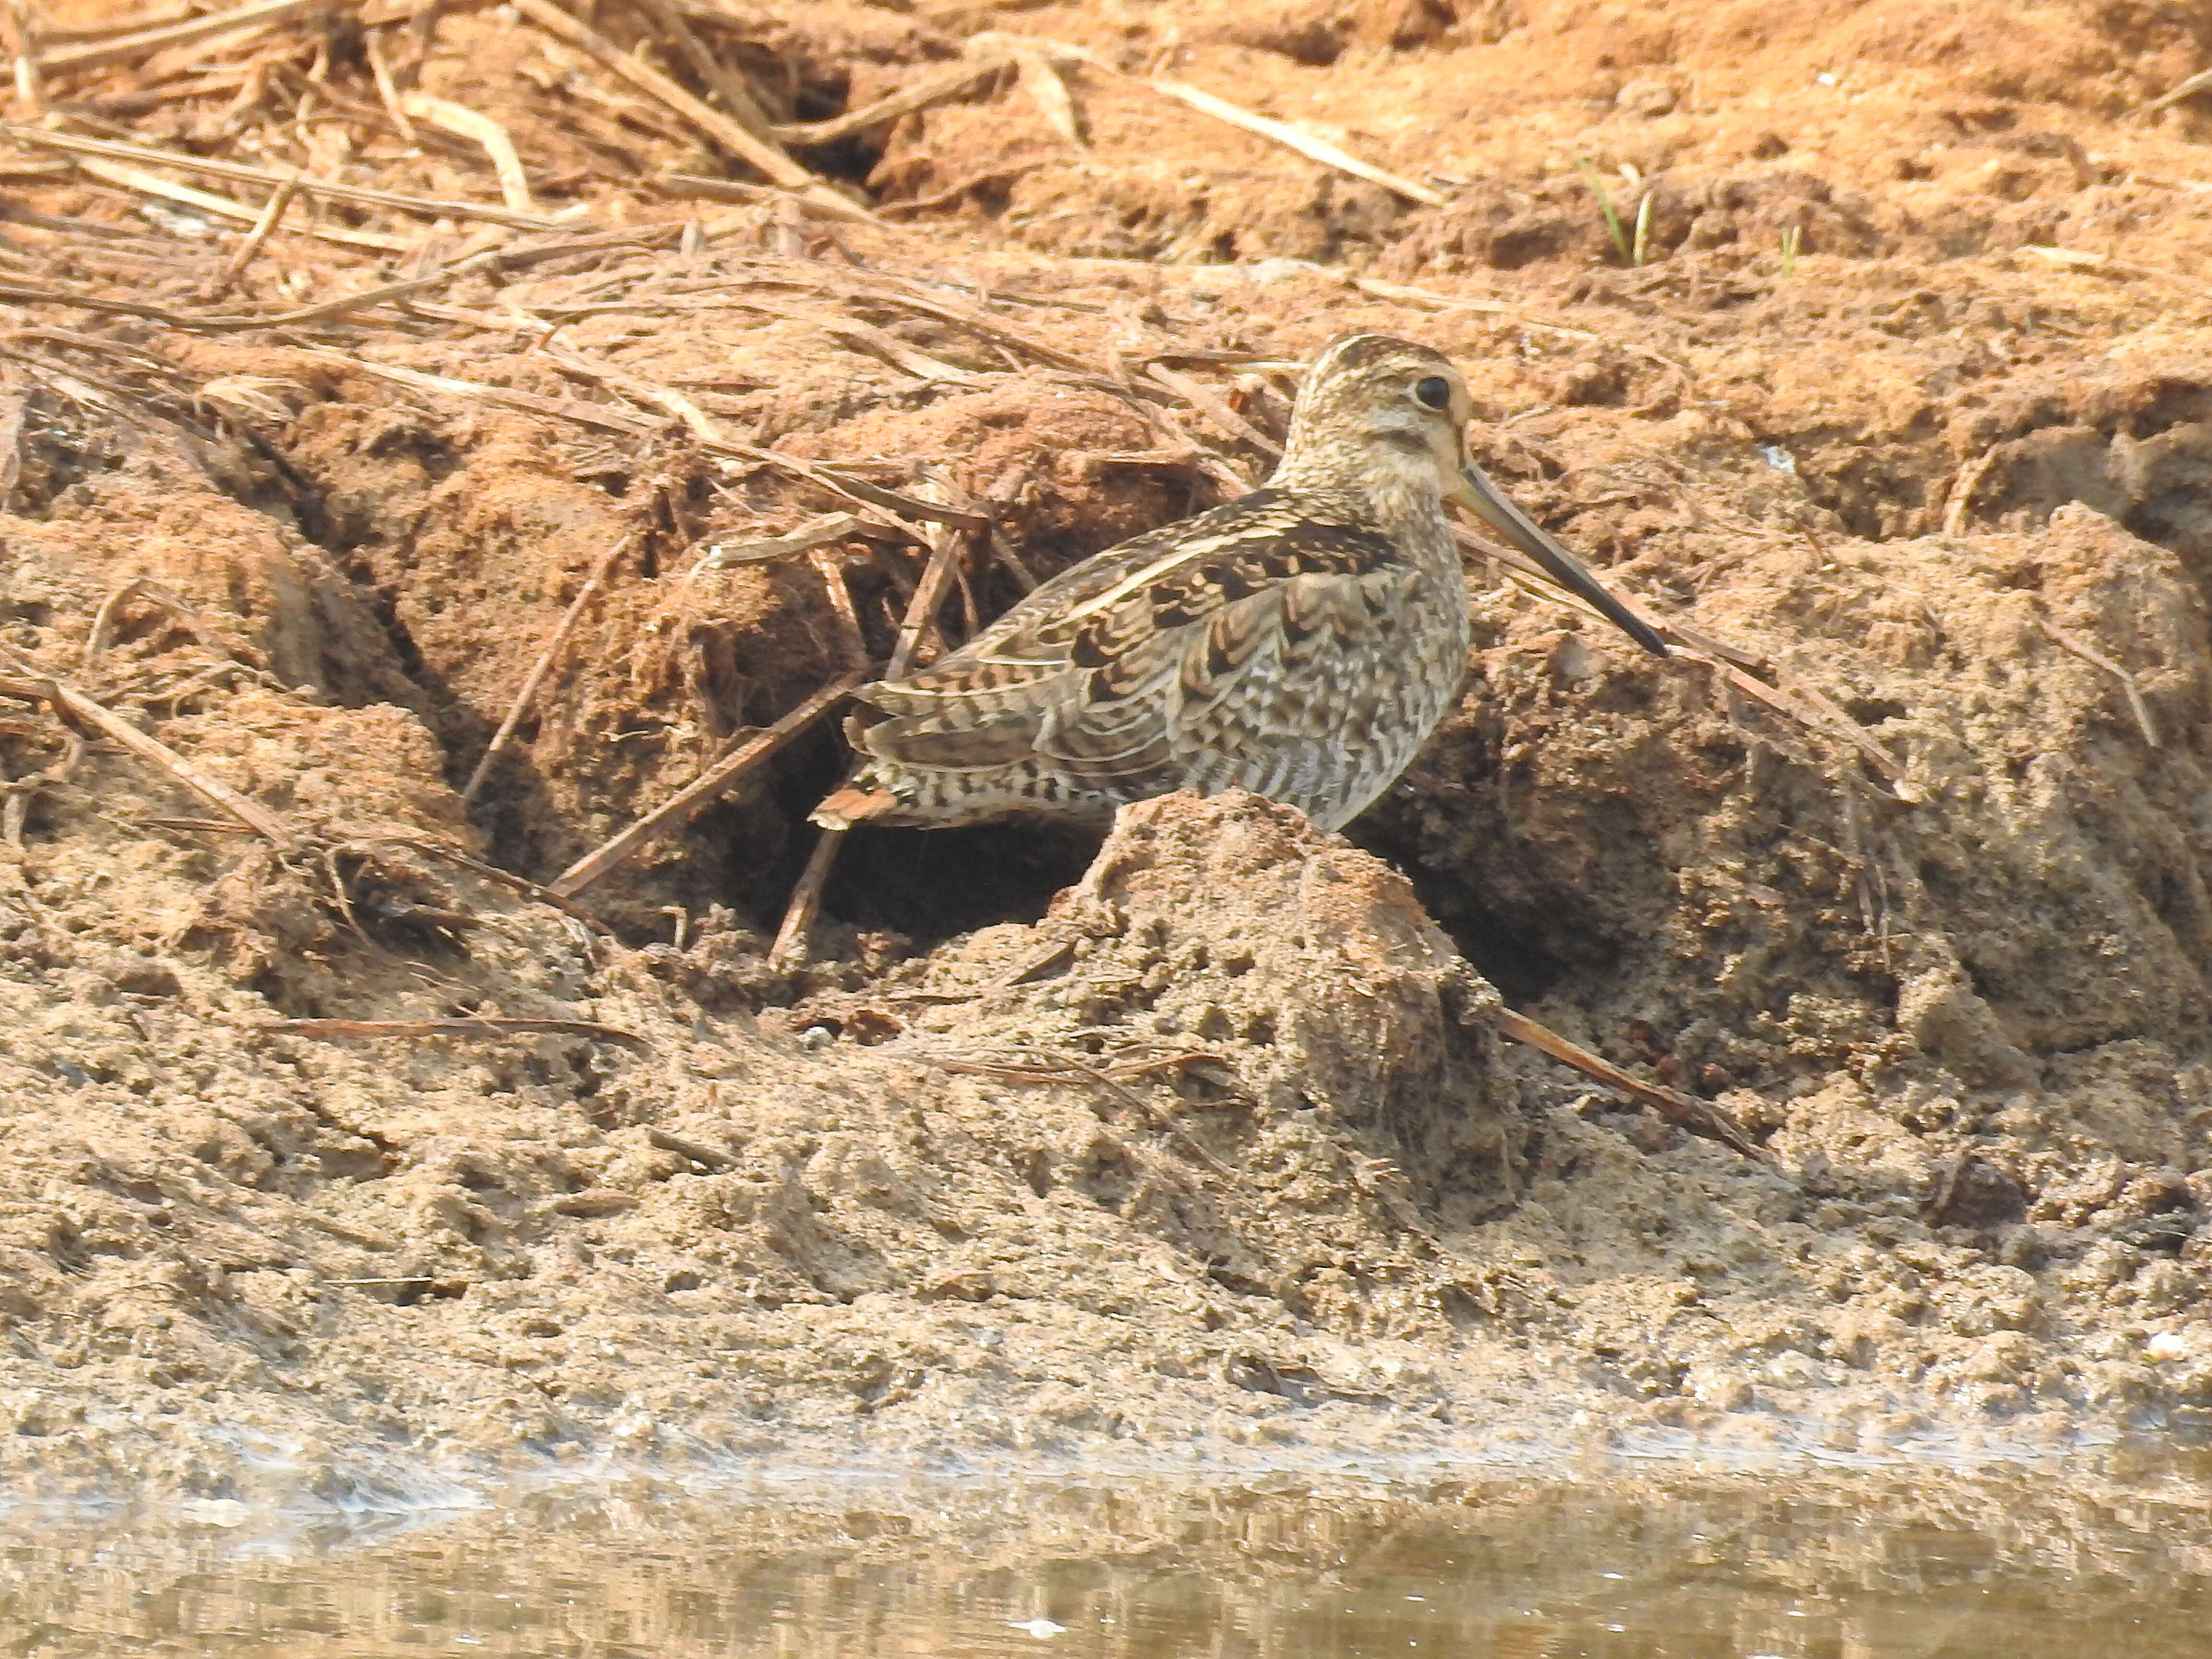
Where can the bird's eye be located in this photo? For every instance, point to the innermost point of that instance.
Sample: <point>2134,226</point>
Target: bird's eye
<point>1433,393</point>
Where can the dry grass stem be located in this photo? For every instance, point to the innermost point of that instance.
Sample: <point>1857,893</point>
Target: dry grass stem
<point>1791,694</point>
<point>1699,1117</point>
<point>1058,1068</point>
<point>919,96</point>
<point>1291,138</point>
<point>130,48</point>
<point>1316,149</point>
<point>271,212</point>
<point>1827,712</point>
<point>481,130</point>
<point>1806,706</point>
<point>2187,88</point>
<point>145,587</point>
<point>30,80</point>
<point>691,187</point>
<point>638,389</point>
<point>1401,294</point>
<point>108,29</point>
<point>799,916</point>
<point>717,778</point>
<point>1215,408</point>
<point>326,189</point>
<point>603,418</point>
<point>344,305</point>
<point>75,706</point>
<point>2074,645</point>
<point>944,552</point>
<point>607,417</point>
<point>388,88</point>
<point>486,1026</point>
<point>761,154</point>
<point>727,81</point>
<point>945,548</point>
<point>814,533</point>
<point>916,362</point>
<point>141,183</point>
<point>527,694</point>
<point>855,649</point>
<point>1041,80</point>
<point>1959,499</point>
<point>506,878</point>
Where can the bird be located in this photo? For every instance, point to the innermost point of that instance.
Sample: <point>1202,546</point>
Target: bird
<point>1300,642</point>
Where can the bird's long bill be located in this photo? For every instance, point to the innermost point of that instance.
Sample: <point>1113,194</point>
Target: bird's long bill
<point>1477,493</point>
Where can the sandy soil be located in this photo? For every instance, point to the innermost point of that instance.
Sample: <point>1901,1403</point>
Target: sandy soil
<point>1202,1150</point>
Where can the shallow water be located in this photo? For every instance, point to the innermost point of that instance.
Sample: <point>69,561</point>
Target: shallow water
<point>2084,1556</point>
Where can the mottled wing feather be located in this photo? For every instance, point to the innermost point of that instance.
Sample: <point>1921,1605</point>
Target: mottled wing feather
<point>1033,642</point>
<point>1243,623</point>
<point>1307,696</point>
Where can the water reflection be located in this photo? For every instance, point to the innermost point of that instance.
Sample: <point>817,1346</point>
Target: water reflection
<point>2088,1556</point>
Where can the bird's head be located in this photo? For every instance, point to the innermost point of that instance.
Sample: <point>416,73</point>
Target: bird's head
<point>1388,418</point>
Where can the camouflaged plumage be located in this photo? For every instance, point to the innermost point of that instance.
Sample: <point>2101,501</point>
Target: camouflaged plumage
<point>1301,642</point>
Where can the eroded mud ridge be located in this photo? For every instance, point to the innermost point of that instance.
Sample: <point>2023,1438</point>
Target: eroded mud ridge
<point>1200,1143</point>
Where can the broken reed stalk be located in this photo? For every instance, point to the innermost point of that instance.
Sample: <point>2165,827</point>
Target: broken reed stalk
<point>32,293</point>
<point>272,211</point>
<point>906,101</point>
<point>721,775</point>
<point>806,898</point>
<point>2075,646</point>
<point>799,916</point>
<point>140,183</point>
<point>75,705</point>
<point>125,48</point>
<point>1313,149</point>
<point>506,878</point>
<point>728,81</point>
<point>535,677</point>
<point>1214,407</point>
<point>1699,1117</point>
<point>30,80</point>
<point>2188,88</point>
<point>486,1026</point>
<point>328,189</point>
<point>1291,138</point>
<point>764,155</point>
<point>487,135</point>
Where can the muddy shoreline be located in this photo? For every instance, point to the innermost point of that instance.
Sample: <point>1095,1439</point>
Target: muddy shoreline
<point>1197,1148</point>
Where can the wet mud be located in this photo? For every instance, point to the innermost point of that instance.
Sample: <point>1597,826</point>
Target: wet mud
<point>1198,1146</point>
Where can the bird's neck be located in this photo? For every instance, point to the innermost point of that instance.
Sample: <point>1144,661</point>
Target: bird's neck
<point>1379,485</point>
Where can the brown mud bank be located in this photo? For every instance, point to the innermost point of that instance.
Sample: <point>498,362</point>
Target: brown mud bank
<point>1199,1146</point>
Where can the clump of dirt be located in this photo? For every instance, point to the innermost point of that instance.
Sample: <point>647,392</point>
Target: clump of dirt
<point>1885,394</point>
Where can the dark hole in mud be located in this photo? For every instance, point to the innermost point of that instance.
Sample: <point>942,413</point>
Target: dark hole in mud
<point>1872,711</point>
<point>286,998</point>
<point>932,884</point>
<point>928,885</point>
<point>851,160</point>
<point>1522,968</point>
